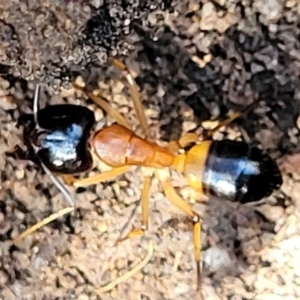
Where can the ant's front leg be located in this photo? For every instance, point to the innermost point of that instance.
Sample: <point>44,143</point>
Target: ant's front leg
<point>71,180</point>
<point>43,222</point>
<point>101,101</point>
<point>95,179</point>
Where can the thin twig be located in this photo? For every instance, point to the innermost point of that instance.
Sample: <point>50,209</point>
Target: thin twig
<point>130,273</point>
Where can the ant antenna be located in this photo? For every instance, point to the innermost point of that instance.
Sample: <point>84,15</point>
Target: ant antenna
<point>36,103</point>
<point>61,187</point>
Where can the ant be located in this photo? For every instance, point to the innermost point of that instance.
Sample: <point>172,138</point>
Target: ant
<point>62,139</point>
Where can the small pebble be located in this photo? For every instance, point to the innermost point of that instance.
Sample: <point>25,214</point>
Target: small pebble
<point>216,258</point>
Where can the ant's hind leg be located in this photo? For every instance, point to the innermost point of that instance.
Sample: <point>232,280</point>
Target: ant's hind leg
<point>135,95</point>
<point>232,117</point>
<point>184,141</point>
<point>191,138</point>
<point>179,202</point>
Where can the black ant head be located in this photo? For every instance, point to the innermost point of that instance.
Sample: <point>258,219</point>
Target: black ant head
<point>59,136</point>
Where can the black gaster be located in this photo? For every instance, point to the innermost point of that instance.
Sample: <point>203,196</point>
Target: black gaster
<point>61,137</point>
<point>237,172</point>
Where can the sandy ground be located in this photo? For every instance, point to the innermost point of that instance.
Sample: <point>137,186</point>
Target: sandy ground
<point>194,61</point>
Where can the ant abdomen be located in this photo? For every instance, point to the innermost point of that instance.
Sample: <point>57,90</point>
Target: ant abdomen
<point>235,171</point>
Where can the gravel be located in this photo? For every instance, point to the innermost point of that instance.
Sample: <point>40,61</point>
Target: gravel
<point>194,61</point>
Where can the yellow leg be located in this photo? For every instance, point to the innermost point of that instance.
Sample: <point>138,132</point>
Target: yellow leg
<point>99,100</point>
<point>145,212</point>
<point>42,223</point>
<point>100,177</point>
<point>135,95</point>
<point>68,179</point>
<point>77,183</point>
<point>109,110</point>
<point>233,116</point>
<point>183,142</point>
<point>179,202</point>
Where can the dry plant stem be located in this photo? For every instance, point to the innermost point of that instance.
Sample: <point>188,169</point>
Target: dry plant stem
<point>42,223</point>
<point>130,273</point>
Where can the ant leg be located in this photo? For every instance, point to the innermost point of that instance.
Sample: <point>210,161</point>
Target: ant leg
<point>163,176</point>
<point>145,212</point>
<point>77,183</point>
<point>54,216</point>
<point>109,109</point>
<point>190,138</point>
<point>135,95</point>
<point>68,179</point>
<point>233,116</point>
<point>99,100</point>
<point>42,223</point>
<point>99,177</point>
<point>183,142</point>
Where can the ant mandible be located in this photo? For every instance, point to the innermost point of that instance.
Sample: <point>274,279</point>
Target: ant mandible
<point>62,139</point>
